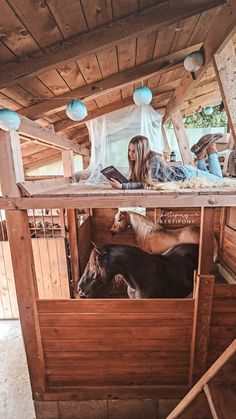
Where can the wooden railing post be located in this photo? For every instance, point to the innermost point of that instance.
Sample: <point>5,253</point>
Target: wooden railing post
<point>203,296</point>
<point>207,241</point>
<point>11,172</point>
<point>178,124</point>
<point>201,326</point>
<point>67,159</point>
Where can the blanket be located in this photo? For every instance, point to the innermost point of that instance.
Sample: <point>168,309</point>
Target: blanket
<point>193,183</point>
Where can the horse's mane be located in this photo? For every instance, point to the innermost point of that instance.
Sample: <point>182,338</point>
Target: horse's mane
<point>142,224</point>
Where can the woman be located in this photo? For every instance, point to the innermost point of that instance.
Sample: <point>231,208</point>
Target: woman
<point>148,167</point>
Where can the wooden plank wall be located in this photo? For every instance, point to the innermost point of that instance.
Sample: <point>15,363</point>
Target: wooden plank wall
<point>150,342</point>
<point>8,300</point>
<point>228,253</point>
<point>102,221</point>
<point>223,320</point>
<point>51,272</point>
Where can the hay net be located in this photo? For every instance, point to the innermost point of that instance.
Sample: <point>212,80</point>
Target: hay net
<point>110,135</point>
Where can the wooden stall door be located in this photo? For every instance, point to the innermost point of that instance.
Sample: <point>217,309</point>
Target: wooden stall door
<point>51,273</point>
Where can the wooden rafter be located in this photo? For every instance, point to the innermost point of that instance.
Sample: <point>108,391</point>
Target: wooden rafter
<point>96,89</point>
<point>46,136</point>
<point>40,155</point>
<point>216,38</point>
<point>66,123</point>
<point>140,23</point>
<point>46,158</point>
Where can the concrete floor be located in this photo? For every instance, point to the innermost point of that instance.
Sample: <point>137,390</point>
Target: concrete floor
<point>15,392</point>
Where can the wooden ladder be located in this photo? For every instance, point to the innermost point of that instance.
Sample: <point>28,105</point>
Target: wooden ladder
<point>206,397</point>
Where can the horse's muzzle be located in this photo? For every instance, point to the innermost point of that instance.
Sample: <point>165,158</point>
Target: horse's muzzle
<point>113,233</point>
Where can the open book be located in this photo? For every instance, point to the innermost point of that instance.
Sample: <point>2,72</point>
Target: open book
<point>111,172</point>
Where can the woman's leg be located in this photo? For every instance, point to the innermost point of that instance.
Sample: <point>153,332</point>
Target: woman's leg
<point>214,164</point>
<point>191,171</point>
<point>201,165</point>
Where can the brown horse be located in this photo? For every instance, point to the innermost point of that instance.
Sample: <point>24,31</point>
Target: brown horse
<point>152,237</point>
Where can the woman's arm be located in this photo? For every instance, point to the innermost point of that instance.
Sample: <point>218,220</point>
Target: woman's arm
<point>128,185</point>
<point>132,185</point>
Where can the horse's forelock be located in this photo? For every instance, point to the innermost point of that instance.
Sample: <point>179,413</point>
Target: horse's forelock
<point>93,264</point>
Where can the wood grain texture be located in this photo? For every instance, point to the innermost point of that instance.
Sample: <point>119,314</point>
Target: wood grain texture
<point>97,39</point>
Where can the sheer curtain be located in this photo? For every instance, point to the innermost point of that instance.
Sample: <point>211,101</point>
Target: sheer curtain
<point>111,133</point>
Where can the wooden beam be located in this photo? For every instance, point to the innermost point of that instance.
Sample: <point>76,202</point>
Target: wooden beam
<point>46,136</point>
<point>41,156</point>
<point>152,199</point>
<point>182,138</point>
<point>72,220</point>
<point>198,105</point>
<point>217,36</point>
<point>31,148</point>
<point>106,36</point>
<point>227,354</point>
<point>201,326</point>
<point>10,160</point>
<point>96,89</point>
<point>23,264</point>
<point>68,163</point>
<point>207,241</point>
<point>66,123</point>
<point>43,161</point>
<point>225,68</point>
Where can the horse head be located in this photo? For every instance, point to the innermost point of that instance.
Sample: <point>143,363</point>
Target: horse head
<point>121,222</point>
<point>98,271</point>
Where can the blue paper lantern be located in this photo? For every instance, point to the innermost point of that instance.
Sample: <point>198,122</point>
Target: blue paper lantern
<point>9,120</point>
<point>208,110</point>
<point>193,61</point>
<point>76,110</point>
<point>142,96</point>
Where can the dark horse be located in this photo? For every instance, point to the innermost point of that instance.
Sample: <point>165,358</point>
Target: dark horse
<point>147,276</point>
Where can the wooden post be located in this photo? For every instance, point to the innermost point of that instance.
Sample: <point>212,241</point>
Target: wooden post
<point>201,326</point>
<point>225,68</point>
<point>203,296</point>
<point>166,150</point>
<point>182,138</point>
<point>68,163</point>
<point>206,248</point>
<point>68,166</point>
<point>86,160</point>
<point>11,172</point>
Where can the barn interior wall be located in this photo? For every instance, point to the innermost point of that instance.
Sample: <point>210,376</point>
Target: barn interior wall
<point>103,219</point>
<point>228,251</point>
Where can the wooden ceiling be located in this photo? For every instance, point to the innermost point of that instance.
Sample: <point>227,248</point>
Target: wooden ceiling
<point>99,51</point>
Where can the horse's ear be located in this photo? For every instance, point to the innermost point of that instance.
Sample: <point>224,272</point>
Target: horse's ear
<point>96,247</point>
<point>123,213</point>
<point>99,248</point>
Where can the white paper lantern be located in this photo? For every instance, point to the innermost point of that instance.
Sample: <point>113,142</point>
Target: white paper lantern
<point>208,110</point>
<point>76,110</point>
<point>9,120</point>
<point>142,96</point>
<point>193,61</point>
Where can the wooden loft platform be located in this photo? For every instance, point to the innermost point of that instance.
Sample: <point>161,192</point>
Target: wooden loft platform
<point>62,194</point>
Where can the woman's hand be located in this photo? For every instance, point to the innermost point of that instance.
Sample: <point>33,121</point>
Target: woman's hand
<point>115,184</point>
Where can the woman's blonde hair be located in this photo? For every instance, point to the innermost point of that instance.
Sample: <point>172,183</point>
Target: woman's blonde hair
<point>140,168</point>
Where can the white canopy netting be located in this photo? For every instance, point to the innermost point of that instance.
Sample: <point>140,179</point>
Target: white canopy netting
<point>110,135</point>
